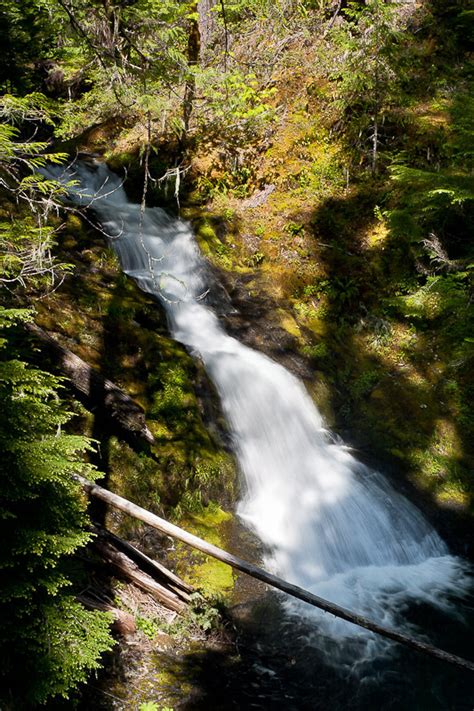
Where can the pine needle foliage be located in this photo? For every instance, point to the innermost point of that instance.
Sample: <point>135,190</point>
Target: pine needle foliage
<point>48,641</point>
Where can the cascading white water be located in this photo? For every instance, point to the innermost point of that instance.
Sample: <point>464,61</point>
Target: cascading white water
<point>331,525</point>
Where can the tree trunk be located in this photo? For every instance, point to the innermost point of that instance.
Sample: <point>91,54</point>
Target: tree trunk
<point>194,51</point>
<point>207,21</point>
<point>375,144</point>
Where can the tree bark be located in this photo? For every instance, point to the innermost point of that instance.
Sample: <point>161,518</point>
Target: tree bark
<point>207,21</point>
<point>149,566</point>
<point>194,51</point>
<point>124,567</point>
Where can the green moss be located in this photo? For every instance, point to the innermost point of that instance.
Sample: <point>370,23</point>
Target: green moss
<point>118,160</point>
<point>206,232</point>
<point>210,576</point>
<point>321,392</point>
<point>208,521</point>
<point>206,236</point>
<point>288,323</point>
<point>318,352</point>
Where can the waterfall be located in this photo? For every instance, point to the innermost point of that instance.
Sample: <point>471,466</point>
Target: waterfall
<point>330,524</point>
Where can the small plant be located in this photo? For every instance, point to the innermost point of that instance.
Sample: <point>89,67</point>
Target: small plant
<point>149,627</point>
<point>294,228</point>
<point>345,290</point>
<point>228,214</point>
<point>203,614</point>
<point>378,214</point>
<point>255,259</point>
<point>318,288</point>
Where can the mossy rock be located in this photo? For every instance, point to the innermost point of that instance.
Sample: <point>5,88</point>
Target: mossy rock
<point>212,577</point>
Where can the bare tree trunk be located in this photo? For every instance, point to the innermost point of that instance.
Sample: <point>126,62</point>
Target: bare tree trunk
<point>375,144</point>
<point>194,52</point>
<point>207,21</point>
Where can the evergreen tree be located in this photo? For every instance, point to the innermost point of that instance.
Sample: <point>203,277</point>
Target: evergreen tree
<point>26,38</point>
<point>368,72</point>
<point>48,641</point>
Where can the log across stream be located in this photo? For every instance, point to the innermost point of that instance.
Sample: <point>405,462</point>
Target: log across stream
<point>254,571</point>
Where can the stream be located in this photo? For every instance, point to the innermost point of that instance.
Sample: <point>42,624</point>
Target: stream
<point>326,522</point>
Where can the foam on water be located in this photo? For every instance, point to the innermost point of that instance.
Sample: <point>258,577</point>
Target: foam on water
<point>331,525</point>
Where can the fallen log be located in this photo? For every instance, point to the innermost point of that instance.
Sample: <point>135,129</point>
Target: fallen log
<point>149,566</point>
<point>98,392</point>
<point>268,578</point>
<point>123,567</point>
<point>123,622</point>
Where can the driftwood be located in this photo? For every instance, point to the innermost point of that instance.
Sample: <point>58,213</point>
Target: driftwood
<point>149,566</point>
<point>124,567</point>
<point>268,578</point>
<point>97,392</point>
